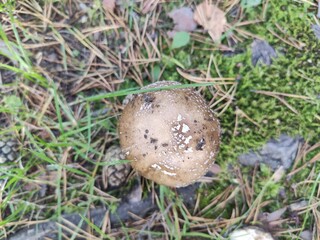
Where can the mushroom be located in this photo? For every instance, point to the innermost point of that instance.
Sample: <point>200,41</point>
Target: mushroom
<point>250,233</point>
<point>171,136</point>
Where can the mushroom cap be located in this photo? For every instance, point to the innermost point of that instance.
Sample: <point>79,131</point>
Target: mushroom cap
<point>250,233</point>
<point>170,136</point>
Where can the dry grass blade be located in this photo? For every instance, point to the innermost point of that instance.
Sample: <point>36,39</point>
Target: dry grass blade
<point>293,43</point>
<point>241,113</point>
<point>205,79</point>
<point>221,197</point>
<point>305,165</point>
<point>89,31</point>
<point>280,95</point>
<point>83,39</point>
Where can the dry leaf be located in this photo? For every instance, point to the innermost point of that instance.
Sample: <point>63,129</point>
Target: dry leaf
<point>298,206</point>
<point>215,169</point>
<point>211,18</point>
<point>276,215</point>
<point>278,174</point>
<point>109,5</point>
<point>306,235</point>
<point>183,20</point>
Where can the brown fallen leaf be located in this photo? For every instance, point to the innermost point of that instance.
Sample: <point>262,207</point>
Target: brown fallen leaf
<point>183,20</point>
<point>211,18</point>
<point>215,169</point>
<point>109,5</point>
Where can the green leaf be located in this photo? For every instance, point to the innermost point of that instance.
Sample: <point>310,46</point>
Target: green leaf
<point>180,39</point>
<point>250,3</point>
<point>156,73</point>
<point>12,102</point>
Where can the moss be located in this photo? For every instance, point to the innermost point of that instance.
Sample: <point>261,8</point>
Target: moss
<point>295,71</point>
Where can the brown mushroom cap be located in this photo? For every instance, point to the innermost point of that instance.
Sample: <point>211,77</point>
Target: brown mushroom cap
<point>171,136</point>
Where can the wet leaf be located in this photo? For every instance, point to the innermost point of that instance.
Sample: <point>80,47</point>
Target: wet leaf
<point>262,52</point>
<point>183,20</point>
<point>316,30</point>
<point>215,169</point>
<point>135,196</point>
<point>180,39</point>
<point>211,18</point>
<point>276,215</point>
<point>298,206</point>
<point>306,235</point>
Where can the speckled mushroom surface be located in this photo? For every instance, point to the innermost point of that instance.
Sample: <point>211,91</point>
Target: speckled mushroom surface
<point>170,136</point>
<point>250,233</point>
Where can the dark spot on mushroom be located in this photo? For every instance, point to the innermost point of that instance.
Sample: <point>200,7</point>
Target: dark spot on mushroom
<point>165,145</point>
<point>155,147</point>
<point>144,155</point>
<point>210,119</point>
<point>157,105</point>
<point>145,136</point>
<point>201,144</point>
<point>186,98</point>
<point>195,121</point>
<point>146,131</point>
<point>148,98</point>
<point>153,140</point>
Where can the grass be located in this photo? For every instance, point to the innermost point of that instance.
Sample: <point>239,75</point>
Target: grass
<point>65,69</point>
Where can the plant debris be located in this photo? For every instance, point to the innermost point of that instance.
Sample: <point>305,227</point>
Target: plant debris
<point>109,5</point>
<point>262,52</point>
<point>316,30</point>
<point>127,211</point>
<point>65,70</point>
<point>274,153</point>
<point>211,18</point>
<point>183,21</point>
